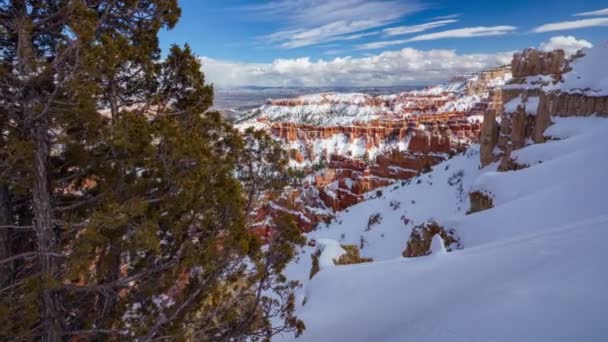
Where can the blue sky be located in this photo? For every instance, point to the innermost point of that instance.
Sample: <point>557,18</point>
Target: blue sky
<point>247,42</point>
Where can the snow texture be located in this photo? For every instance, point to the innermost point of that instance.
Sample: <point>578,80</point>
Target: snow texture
<point>532,267</point>
<point>589,74</point>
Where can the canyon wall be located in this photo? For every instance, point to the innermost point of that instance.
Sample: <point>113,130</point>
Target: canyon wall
<point>348,145</point>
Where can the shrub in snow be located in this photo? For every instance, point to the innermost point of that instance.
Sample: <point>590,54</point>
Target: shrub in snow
<point>395,205</point>
<point>373,220</point>
<point>315,268</point>
<point>456,178</point>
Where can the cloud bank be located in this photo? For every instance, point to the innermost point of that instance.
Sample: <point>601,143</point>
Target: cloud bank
<point>404,67</point>
<point>567,43</point>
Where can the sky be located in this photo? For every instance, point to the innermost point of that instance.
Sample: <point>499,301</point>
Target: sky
<point>375,42</point>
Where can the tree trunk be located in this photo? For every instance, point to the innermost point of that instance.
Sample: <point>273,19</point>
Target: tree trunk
<point>6,270</point>
<point>38,128</point>
<point>47,242</point>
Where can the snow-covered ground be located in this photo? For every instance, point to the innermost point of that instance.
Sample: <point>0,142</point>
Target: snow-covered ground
<point>589,75</point>
<point>531,269</point>
<point>343,145</point>
<point>335,109</point>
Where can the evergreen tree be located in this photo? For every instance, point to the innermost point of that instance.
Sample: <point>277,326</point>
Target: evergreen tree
<point>263,166</point>
<point>120,214</point>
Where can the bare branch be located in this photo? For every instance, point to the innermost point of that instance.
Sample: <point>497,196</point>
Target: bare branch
<point>17,227</point>
<point>28,255</point>
<point>95,332</point>
<point>79,204</point>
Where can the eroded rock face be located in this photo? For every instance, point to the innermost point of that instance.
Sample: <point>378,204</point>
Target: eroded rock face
<point>533,62</point>
<point>419,243</point>
<point>480,201</point>
<point>529,105</point>
<point>488,137</point>
<point>351,144</point>
<point>486,80</point>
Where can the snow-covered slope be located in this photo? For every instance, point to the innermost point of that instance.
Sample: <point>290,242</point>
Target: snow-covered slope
<point>531,268</point>
<point>545,287</point>
<point>325,109</point>
<point>335,109</point>
<point>586,77</point>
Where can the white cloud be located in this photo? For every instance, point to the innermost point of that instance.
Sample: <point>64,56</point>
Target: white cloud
<point>400,30</point>
<point>404,67</point>
<point>593,13</point>
<point>571,25</point>
<point>381,44</point>
<point>357,36</point>
<point>322,34</point>
<point>467,32</point>
<point>451,16</point>
<point>567,43</point>
<point>311,22</point>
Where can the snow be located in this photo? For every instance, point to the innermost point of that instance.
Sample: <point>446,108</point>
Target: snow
<point>521,290</point>
<point>341,144</point>
<point>532,268</point>
<point>330,251</point>
<point>586,77</point>
<point>511,106</point>
<point>339,109</point>
<point>531,83</point>
<point>462,104</point>
<point>437,245</point>
<point>327,109</point>
<point>530,104</point>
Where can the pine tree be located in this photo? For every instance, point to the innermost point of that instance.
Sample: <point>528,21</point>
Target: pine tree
<point>120,214</point>
<point>263,166</point>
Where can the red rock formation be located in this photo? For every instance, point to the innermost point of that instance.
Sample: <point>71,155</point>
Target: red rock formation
<point>430,139</point>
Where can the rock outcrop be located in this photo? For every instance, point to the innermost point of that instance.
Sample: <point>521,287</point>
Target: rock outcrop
<point>352,256</point>
<point>532,62</point>
<point>536,93</point>
<point>488,80</point>
<point>480,201</point>
<point>419,243</point>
